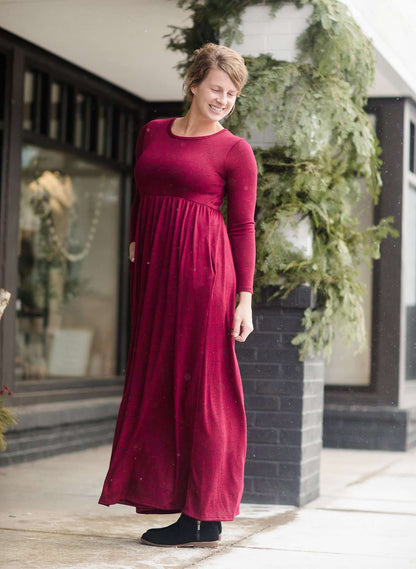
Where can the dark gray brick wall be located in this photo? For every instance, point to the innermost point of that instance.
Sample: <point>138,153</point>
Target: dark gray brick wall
<point>411,428</point>
<point>284,405</point>
<point>369,427</point>
<point>54,428</point>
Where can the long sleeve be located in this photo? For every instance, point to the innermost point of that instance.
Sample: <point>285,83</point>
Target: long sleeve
<point>135,205</point>
<point>241,171</point>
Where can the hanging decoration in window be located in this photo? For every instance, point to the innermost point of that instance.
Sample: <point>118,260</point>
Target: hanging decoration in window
<point>54,201</point>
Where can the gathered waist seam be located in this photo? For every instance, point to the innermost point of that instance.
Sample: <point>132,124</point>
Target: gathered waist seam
<point>181,198</point>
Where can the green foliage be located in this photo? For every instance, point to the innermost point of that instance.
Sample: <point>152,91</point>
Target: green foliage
<point>210,20</point>
<point>326,157</point>
<point>7,419</point>
<point>311,114</point>
<point>335,45</point>
<point>324,195</point>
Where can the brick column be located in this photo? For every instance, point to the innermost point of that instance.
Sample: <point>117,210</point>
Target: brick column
<point>284,405</point>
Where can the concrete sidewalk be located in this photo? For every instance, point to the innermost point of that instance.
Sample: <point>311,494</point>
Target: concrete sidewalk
<point>364,518</point>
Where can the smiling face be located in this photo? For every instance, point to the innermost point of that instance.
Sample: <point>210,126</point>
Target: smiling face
<point>215,96</point>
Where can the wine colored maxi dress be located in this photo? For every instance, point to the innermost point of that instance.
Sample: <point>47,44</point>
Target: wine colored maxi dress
<point>180,439</point>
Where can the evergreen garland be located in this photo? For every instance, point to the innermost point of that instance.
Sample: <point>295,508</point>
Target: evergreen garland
<point>325,151</point>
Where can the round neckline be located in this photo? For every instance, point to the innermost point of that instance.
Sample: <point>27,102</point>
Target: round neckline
<point>170,124</point>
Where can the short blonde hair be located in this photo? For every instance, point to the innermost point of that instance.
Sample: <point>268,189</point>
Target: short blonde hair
<point>213,56</point>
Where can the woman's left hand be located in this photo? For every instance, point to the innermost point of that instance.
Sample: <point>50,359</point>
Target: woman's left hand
<point>243,318</point>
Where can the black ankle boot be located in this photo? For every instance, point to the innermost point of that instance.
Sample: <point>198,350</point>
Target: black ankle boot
<point>185,532</point>
<point>219,525</point>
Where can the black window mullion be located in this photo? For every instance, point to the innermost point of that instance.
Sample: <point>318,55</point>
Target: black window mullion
<point>116,133</point>
<point>37,103</point>
<point>87,122</point>
<point>109,133</point>
<point>93,124</point>
<point>45,100</point>
<point>70,115</point>
<point>128,148</point>
<point>2,85</point>
<point>63,112</point>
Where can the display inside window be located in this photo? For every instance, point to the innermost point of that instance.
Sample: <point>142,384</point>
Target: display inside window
<point>68,267</point>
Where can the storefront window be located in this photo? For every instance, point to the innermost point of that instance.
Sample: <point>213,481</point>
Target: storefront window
<point>410,281</point>
<point>68,267</point>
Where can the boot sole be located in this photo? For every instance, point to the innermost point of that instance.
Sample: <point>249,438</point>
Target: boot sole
<point>189,544</point>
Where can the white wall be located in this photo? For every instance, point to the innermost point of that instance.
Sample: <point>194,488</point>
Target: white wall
<point>391,25</point>
<point>119,40</point>
<point>122,40</point>
<point>277,36</point>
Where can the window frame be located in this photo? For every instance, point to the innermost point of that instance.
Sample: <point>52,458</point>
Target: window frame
<point>20,57</point>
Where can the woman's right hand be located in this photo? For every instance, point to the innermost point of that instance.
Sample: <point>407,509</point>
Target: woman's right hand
<point>132,249</point>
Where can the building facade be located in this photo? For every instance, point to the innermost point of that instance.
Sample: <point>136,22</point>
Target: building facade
<point>67,141</point>
<point>370,396</point>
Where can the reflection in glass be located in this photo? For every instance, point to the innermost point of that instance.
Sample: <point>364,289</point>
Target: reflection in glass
<point>68,258</point>
<point>3,62</point>
<point>346,366</point>
<point>80,126</point>
<point>103,129</point>
<point>410,281</point>
<point>28,100</point>
<point>55,124</point>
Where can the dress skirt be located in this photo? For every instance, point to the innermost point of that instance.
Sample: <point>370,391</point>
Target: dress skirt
<point>180,438</point>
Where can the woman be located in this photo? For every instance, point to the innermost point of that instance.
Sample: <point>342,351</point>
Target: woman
<point>180,438</point>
